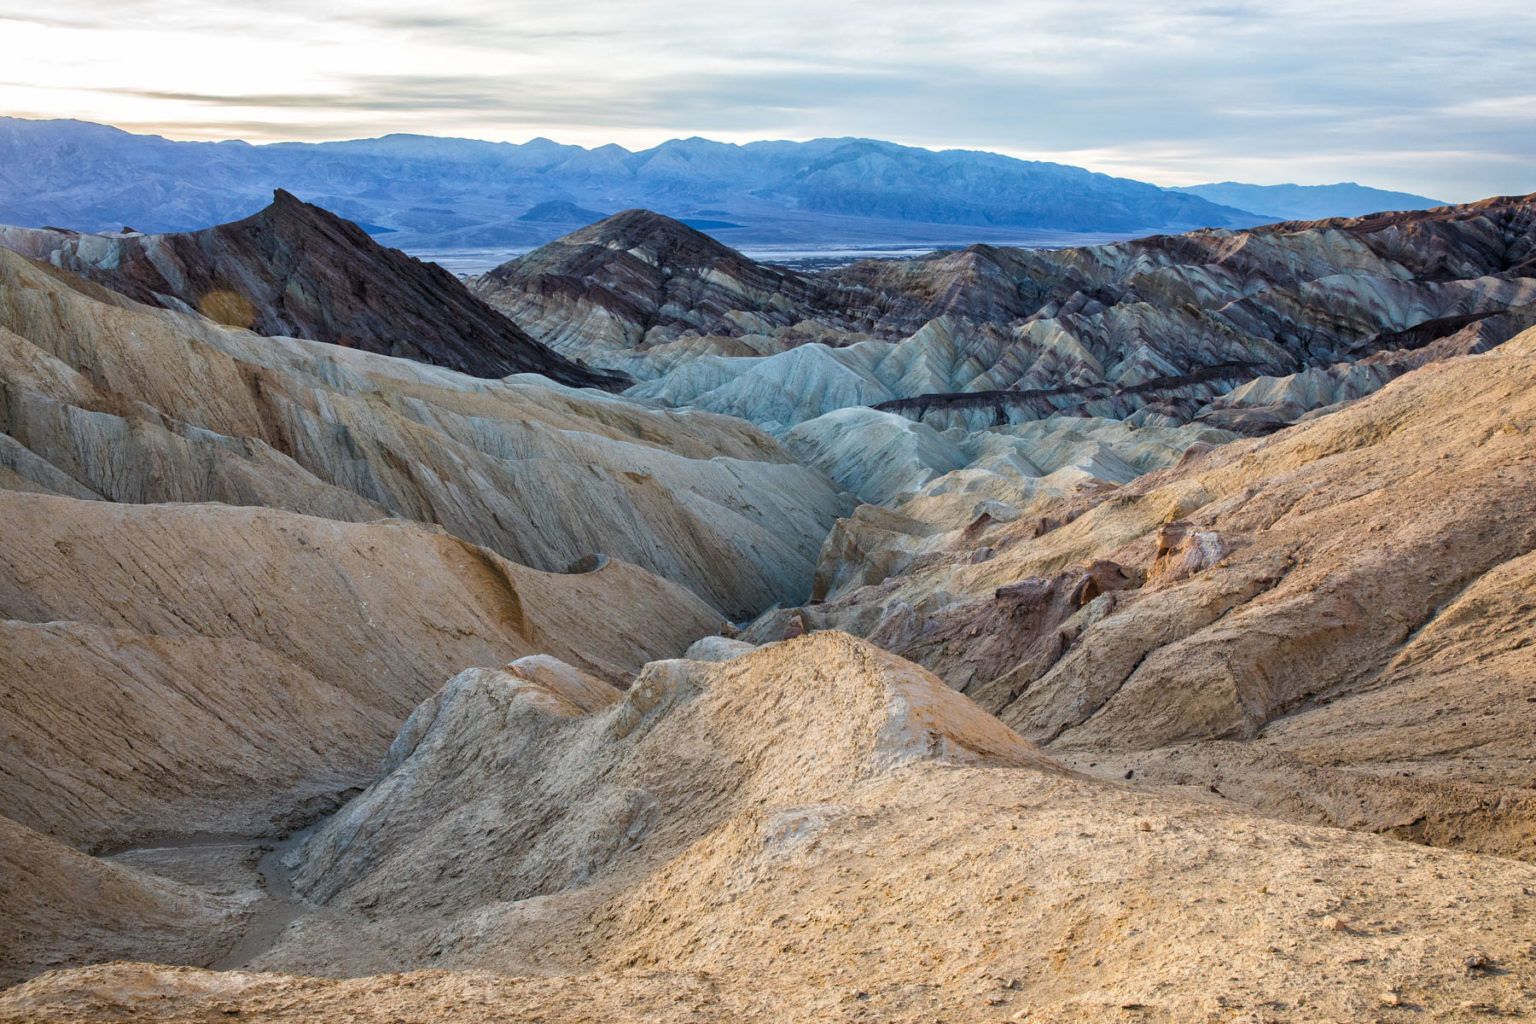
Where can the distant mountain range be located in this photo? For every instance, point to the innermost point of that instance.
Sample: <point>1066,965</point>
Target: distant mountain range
<point>1309,202</point>
<point>421,192</point>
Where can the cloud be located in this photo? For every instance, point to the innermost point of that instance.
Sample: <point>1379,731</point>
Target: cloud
<point>1418,95</point>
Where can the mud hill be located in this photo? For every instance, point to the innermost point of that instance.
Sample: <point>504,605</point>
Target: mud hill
<point>1239,330</point>
<point>107,399</point>
<point>820,830</point>
<point>1303,622</point>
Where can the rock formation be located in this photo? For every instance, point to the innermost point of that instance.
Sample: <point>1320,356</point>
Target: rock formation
<point>1297,591</point>
<point>1176,327</point>
<point>212,625</point>
<point>888,459</point>
<point>249,627</point>
<point>299,271</point>
<point>638,280</point>
<point>105,398</point>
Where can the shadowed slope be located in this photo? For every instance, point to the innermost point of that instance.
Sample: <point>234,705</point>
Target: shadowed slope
<point>196,669</point>
<point>296,270</point>
<point>638,280</point>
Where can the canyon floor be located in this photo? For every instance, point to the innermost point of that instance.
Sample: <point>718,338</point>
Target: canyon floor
<point>637,631</point>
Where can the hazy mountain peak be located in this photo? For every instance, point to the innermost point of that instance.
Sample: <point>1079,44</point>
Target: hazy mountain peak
<point>638,225</point>
<point>1309,202</point>
<point>560,211</point>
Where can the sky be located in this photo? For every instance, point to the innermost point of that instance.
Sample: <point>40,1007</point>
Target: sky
<point>1435,98</point>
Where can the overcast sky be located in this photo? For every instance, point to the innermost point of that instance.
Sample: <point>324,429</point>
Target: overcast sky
<point>1431,97</point>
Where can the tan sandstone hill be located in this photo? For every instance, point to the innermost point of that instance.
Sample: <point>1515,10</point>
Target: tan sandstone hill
<point>230,565</point>
<point>106,398</point>
<point>195,668</point>
<point>820,831</point>
<point>1332,624</point>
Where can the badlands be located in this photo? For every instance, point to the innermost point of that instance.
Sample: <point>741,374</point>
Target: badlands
<point>1141,632</point>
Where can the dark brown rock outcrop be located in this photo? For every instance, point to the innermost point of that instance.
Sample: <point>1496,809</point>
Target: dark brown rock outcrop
<point>297,270</point>
<point>638,279</point>
<point>1025,623</point>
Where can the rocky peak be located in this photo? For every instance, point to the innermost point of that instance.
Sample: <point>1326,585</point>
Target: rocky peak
<point>670,244</point>
<point>295,269</point>
<point>641,278</point>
